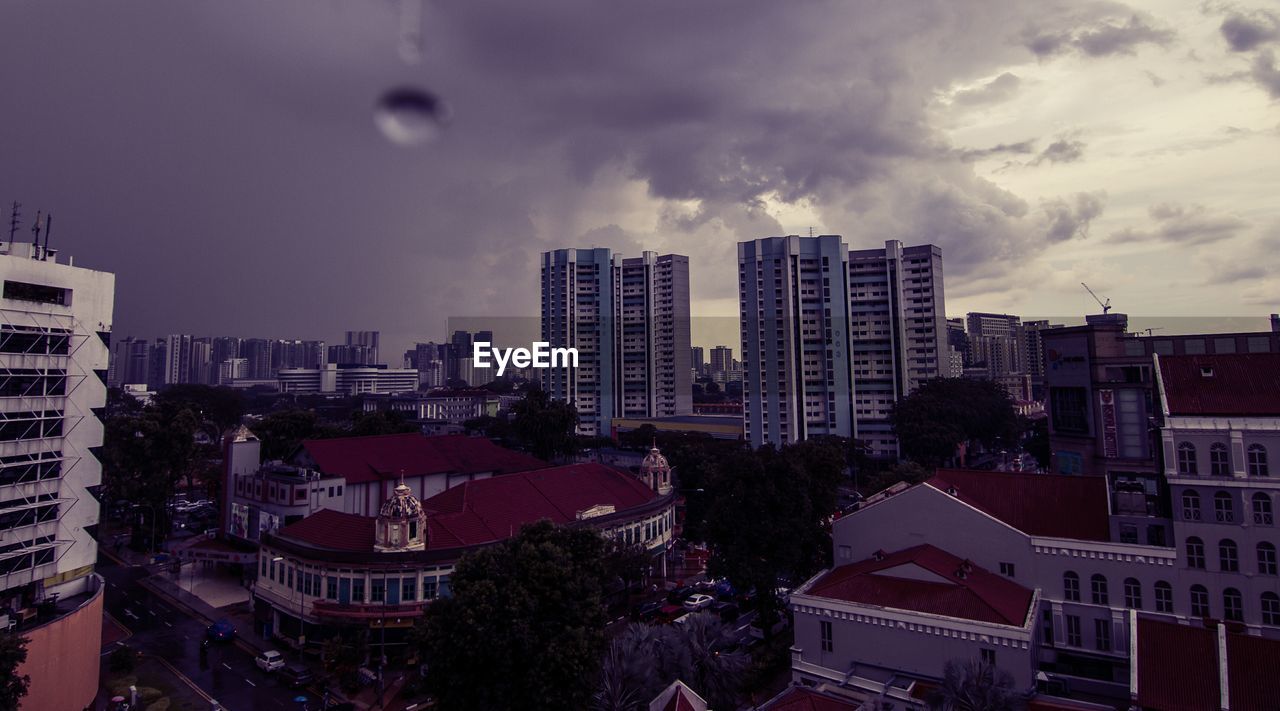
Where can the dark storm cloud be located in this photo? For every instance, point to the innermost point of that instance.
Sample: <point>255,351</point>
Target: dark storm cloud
<point>1070,219</point>
<point>1020,148</point>
<point>1094,36</point>
<point>1265,72</point>
<point>223,160</point>
<point>1002,88</point>
<point>1246,31</point>
<point>1178,224</point>
<point>1063,150</point>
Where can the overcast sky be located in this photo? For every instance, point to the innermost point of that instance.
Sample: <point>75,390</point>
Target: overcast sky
<point>222,158</point>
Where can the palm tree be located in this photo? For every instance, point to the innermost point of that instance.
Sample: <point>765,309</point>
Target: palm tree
<point>975,685</point>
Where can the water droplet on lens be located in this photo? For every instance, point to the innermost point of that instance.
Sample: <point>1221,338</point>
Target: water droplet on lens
<point>411,117</point>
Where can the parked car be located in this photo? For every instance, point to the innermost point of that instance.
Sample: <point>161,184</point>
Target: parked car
<point>269,660</point>
<point>679,595</point>
<point>296,676</point>
<point>221,631</point>
<point>647,611</point>
<point>698,601</point>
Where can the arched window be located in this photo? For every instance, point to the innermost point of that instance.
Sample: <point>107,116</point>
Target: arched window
<point>1223,508</point>
<point>1098,588</point>
<point>1190,505</point>
<point>1199,601</point>
<point>1232,605</point>
<point>1164,596</point>
<point>1270,608</point>
<point>1228,556</point>
<point>1262,509</point>
<point>1187,458</point>
<point>1071,586</point>
<point>1219,461</point>
<point>1258,460</point>
<point>1195,552</point>
<point>1132,593</point>
<point>1266,558</point>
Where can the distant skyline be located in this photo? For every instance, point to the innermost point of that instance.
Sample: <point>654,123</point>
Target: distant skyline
<point>223,161</point>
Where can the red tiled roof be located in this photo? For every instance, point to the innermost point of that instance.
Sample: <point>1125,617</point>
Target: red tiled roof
<point>798,698</point>
<point>382,457</point>
<point>1252,678</point>
<point>679,702</point>
<point>1241,384</point>
<point>1177,666</point>
<point>331,529</point>
<point>923,579</point>
<point>487,510</point>
<point>492,509</point>
<point>1050,505</point>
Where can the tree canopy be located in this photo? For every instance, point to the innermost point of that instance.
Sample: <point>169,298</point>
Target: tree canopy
<point>976,686</point>
<point>13,652</point>
<point>524,627</point>
<point>545,426</point>
<point>645,659</point>
<point>945,413</point>
<point>769,515</point>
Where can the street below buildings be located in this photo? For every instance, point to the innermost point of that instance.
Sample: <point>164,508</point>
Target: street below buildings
<point>169,634</point>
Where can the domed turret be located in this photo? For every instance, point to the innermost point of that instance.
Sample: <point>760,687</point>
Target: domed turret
<point>655,472</point>
<point>402,524</point>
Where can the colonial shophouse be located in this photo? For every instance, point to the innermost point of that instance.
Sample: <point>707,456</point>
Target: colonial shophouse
<point>1051,578</point>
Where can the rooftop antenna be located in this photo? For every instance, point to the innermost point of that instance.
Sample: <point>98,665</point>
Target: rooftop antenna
<point>1105,307</point>
<point>35,230</point>
<point>48,227</point>
<point>14,215</point>
<point>810,230</point>
<point>1154,328</point>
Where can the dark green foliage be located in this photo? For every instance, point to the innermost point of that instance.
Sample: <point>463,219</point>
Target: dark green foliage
<point>976,686</point>
<point>368,424</point>
<point>1037,441</point>
<point>281,432</point>
<point>645,659</point>
<point>524,628</point>
<point>13,652</point>
<point>942,414</point>
<point>544,426</point>
<point>769,516</point>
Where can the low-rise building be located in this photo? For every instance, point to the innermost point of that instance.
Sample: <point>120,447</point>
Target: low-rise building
<point>335,569</point>
<point>451,406</point>
<point>347,379</point>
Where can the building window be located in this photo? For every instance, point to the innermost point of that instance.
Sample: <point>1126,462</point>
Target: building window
<point>1223,509</point>
<point>1228,556</point>
<point>1270,608</point>
<point>1258,460</point>
<point>1262,509</point>
<point>357,590</point>
<point>331,588</point>
<point>428,588</point>
<point>1006,569</point>
<point>827,644</point>
<point>1069,410</point>
<point>1132,594</point>
<point>1219,462</point>
<point>37,293</point>
<point>1195,553</point>
<point>1199,601</point>
<point>1071,586</point>
<point>263,572</point>
<point>1187,458</point>
<point>289,575</point>
<point>408,589</point>
<point>1266,559</point>
<point>1102,635</point>
<point>988,656</point>
<point>1073,630</point>
<point>1098,586</point>
<point>1190,505</point>
<point>1047,625</point>
<point>1232,605</point>
<point>1164,596</point>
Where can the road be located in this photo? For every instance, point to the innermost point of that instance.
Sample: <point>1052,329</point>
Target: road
<point>163,631</point>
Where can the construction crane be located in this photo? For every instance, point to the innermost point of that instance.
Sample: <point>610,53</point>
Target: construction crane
<point>1105,307</point>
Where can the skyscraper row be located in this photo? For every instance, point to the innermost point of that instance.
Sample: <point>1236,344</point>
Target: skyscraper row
<point>832,338</point>
<point>182,358</point>
<point>629,320</point>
